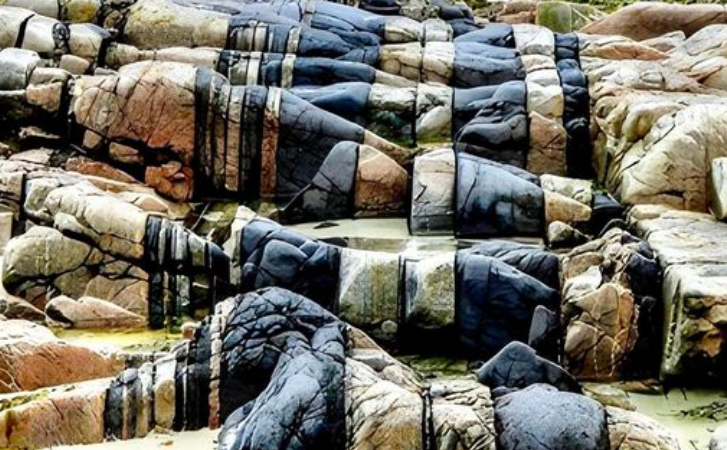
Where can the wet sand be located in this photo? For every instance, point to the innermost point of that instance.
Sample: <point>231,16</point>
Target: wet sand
<point>188,440</point>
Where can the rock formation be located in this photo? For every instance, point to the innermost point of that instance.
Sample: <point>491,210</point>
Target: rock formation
<point>157,158</point>
<point>277,371</point>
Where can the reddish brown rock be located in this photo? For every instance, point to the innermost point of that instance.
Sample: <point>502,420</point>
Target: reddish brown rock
<point>89,312</point>
<point>88,166</point>
<point>603,332</point>
<point>171,180</point>
<point>149,103</point>
<point>31,357</point>
<point>381,184</point>
<point>647,20</point>
<point>66,416</point>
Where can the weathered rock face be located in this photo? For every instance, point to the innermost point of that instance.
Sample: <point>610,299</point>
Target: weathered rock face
<point>300,107</point>
<point>430,297</point>
<point>200,131</point>
<point>495,303</point>
<point>647,113</point>
<point>432,202</point>
<point>689,249</point>
<point>353,181</point>
<point>629,429</point>
<point>31,357</point>
<point>719,188</point>
<point>67,415</point>
<point>369,294</point>
<point>481,187</point>
<point>611,308</point>
<point>305,390</point>
<point>238,139</point>
<point>105,243</point>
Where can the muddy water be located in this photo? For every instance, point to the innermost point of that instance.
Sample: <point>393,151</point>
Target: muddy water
<point>691,414</point>
<point>687,413</point>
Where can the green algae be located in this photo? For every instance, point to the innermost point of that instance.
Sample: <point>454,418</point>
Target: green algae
<point>143,340</point>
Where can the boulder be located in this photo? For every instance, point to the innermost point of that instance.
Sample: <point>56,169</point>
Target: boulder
<point>518,366</point>
<point>381,184</point>
<point>541,417</point>
<point>562,235</point>
<point>16,308</point>
<point>284,401</point>
<point>691,254</point>
<point>578,190</point>
<point>77,270</point>
<point>89,312</point>
<point>645,20</point>
<point>559,208</point>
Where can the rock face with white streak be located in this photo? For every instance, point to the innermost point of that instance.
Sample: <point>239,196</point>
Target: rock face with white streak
<point>719,188</point>
<point>432,197</point>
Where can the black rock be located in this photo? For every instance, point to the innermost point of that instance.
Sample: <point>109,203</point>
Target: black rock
<point>284,359</point>
<point>270,255</point>
<point>495,303</point>
<point>492,202</point>
<point>541,417</point>
<point>518,366</point>
<point>534,261</point>
<point>330,194</point>
<point>545,334</point>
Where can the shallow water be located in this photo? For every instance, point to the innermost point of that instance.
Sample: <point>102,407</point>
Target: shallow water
<point>677,410</point>
<point>387,235</point>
